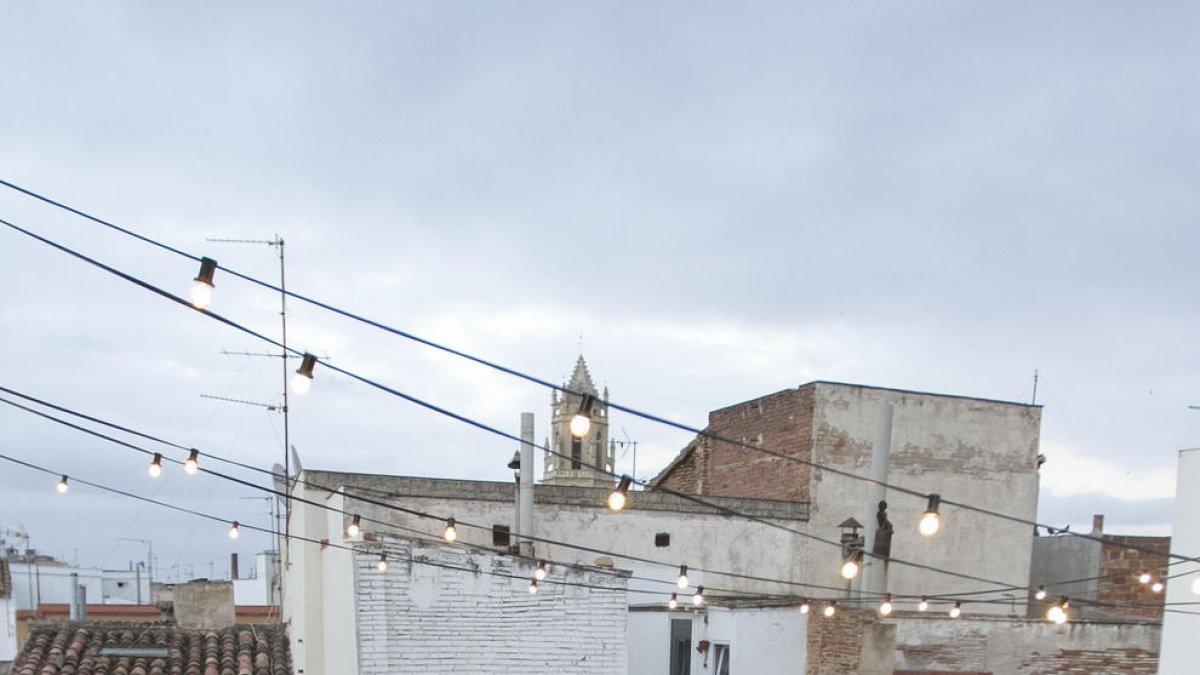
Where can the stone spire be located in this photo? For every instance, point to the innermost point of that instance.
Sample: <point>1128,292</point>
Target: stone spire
<point>582,462</point>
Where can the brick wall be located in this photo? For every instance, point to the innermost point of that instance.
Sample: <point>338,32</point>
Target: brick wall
<point>851,641</point>
<point>781,422</point>
<point>417,618</point>
<point>1119,568</point>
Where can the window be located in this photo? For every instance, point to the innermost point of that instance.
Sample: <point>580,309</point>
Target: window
<point>576,453</point>
<point>662,539</point>
<point>501,535</point>
<point>721,659</point>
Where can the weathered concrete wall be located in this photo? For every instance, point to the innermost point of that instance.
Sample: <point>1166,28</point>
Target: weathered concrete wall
<point>699,536</point>
<point>975,451</point>
<point>1061,558</point>
<point>415,618</point>
<point>1021,647</point>
<point>204,605</point>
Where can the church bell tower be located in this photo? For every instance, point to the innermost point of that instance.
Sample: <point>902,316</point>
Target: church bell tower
<point>580,462</point>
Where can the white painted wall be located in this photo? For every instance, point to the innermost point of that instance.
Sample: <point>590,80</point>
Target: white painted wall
<point>1181,632</point>
<point>257,589</point>
<point>53,584</point>
<point>471,612</point>
<point>8,629</point>
<point>762,641</point>
<point>979,452</point>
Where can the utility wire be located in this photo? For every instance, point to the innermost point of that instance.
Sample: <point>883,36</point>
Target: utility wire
<point>467,420</point>
<point>352,549</point>
<point>345,512</point>
<point>545,383</point>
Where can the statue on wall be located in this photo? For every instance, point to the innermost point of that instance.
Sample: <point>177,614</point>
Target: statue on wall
<point>883,533</point>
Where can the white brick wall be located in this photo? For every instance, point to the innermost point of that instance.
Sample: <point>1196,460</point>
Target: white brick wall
<point>417,618</point>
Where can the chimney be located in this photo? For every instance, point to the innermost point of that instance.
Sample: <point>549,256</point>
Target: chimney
<point>1098,523</point>
<point>233,566</point>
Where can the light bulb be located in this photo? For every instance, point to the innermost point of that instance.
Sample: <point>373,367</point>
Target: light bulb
<point>616,500</point>
<point>1056,614</point>
<point>155,469</point>
<point>580,425</point>
<point>804,607</point>
<point>201,294</point>
<point>451,533</point>
<point>1144,577</point>
<point>533,586</point>
<point>1041,593</point>
<point>301,384</point>
<point>829,610</point>
<point>354,528</point>
<point>885,607</point>
<point>234,530</point>
<point>1157,587</point>
<point>923,605</point>
<point>849,569</point>
<point>62,485</point>
<point>540,572</point>
<point>930,523</point>
<point>673,602</point>
<point>192,465</point>
<point>682,581</point>
<point>956,610</point>
<point>382,564</point>
<point>1196,586</point>
<point>698,596</point>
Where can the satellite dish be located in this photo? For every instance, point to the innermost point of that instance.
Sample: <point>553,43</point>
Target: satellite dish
<point>296,467</point>
<point>277,477</point>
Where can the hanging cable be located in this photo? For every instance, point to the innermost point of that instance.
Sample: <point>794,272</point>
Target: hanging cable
<point>524,376</point>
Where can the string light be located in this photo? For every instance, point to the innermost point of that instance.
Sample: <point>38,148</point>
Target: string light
<point>885,607</point>
<point>931,521</point>
<point>923,605</point>
<point>382,564</point>
<point>673,602</point>
<point>1058,612</point>
<point>234,530</point>
<point>956,610</point>
<point>849,568</point>
<point>540,572</point>
<point>202,287</point>
<point>830,610</point>
<point>698,596</point>
<point>1196,586</point>
<point>682,581</point>
<point>451,533</point>
<point>1157,587</point>
<point>1041,593</point>
<point>62,484</point>
<point>302,380</point>
<point>155,469</point>
<point>1144,578</point>
<point>804,607</point>
<point>355,527</point>
<point>618,497</point>
<point>533,586</point>
<point>581,423</point>
<point>192,465</point>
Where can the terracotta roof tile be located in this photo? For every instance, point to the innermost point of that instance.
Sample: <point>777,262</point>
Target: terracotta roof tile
<point>63,648</point>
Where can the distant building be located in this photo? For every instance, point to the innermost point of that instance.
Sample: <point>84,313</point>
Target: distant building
<point>42,580</point>
<point>1108,571</point>
<point>974,450</point>
<point>579,462</point>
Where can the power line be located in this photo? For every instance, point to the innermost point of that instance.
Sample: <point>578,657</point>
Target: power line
<point>344,512</point>
<point>545,383</point>
<point>469,421</point>
<point>325,543</point>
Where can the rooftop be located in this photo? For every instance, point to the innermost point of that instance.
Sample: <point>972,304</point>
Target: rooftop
<point>56,647</point>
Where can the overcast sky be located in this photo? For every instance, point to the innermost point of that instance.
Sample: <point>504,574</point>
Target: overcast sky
<point>715,201</point>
